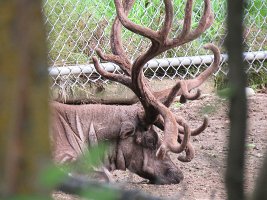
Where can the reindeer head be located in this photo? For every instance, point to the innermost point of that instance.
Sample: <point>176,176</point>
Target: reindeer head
<point>136,150</point>
<point>155,163</point>
<point>143,161</point>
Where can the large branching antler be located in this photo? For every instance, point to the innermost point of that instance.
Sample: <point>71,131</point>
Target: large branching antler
<point>133,77</point>
<point>183,87</point>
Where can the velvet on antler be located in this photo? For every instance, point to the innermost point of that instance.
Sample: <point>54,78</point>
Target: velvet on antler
<point>156,104</point>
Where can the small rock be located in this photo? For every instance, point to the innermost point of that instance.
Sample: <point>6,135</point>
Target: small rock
<point>259,155</point>
<point>256,148</point>
<point>249,91</point>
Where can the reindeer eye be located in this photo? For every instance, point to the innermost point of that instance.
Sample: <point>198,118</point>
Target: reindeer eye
<point>150,143</point>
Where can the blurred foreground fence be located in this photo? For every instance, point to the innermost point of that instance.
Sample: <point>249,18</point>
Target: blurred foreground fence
<point>75,28</point>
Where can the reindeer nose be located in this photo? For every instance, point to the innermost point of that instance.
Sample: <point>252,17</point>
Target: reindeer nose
<point>174,176</point>
<point>180,176</point>
<point>170,176</point>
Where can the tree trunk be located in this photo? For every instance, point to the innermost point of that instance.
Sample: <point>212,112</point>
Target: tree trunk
<point>24,97</point>
<point>260,191</point>
<point>238,102</point>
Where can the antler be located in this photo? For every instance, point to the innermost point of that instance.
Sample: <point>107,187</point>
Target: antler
<point>133,76</point>
<point>183,87</point>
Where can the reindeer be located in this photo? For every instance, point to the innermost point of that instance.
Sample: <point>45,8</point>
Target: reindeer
<point>130,129</point>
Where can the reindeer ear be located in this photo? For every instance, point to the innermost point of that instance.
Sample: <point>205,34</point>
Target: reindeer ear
<point>127,130</point>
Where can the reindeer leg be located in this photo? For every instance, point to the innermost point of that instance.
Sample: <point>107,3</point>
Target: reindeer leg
<point>103,172</point>
<point>92,136</point>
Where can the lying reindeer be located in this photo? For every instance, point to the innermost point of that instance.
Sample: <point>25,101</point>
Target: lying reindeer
<point>130,129</point>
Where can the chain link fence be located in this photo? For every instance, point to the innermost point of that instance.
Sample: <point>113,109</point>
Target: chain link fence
<point>75,28</point>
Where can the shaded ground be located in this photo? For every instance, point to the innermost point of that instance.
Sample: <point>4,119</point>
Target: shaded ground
<point>204,175</point>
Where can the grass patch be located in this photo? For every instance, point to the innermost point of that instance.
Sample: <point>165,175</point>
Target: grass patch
<point>208,109</point>
<point>256,77</point>
<point>76,27</point>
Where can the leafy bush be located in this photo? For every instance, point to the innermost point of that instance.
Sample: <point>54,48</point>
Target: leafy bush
<point>79,26</point>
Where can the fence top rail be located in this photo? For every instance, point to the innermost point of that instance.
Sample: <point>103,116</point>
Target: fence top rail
<point>164,62</point>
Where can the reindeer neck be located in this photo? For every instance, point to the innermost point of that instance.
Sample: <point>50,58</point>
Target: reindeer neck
<point>104,119</point>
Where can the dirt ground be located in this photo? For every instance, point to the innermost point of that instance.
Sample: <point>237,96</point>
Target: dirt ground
<point>204,175</point>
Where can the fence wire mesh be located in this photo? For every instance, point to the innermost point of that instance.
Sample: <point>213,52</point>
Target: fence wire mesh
<point>75,28</point>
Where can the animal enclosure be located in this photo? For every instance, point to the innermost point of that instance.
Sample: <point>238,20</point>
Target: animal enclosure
<point>205,175</point>
<point>74,32</point>
<point>210,109</point>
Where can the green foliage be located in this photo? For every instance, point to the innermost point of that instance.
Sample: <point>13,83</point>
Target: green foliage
<point>53,175</point>
<point>208,109</point>
<point>177,104</point>
<point>92,158</point>
<point>29,197</point>
<point>100,193</point>
<point>258,10</point>
<point>221,81</point>
<point>72,25</point>
<point>256,79</point>
<point>225,93</point>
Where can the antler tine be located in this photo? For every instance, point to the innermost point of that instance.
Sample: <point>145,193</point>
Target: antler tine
<point>114,77</point>
<point>116,47</point>
<point>189,149</point>
<point>116,42</point>
<point>158,36</point>
<point>194,83</point>
<point>204,23</point>
<point>170,142</point>
<point>172,94</point>
<point>159,40</point>
<point>182,87</point>
<point>124,64</point>
<point>196,131</point>
<point>144,31</point>
<point>187,19</point>
<point>189,153</point>
<point>167,25</point>
<point>201,128</point>
<point>119,56</point>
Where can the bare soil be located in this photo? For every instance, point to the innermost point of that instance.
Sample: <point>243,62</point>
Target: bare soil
<point>204,175</point>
